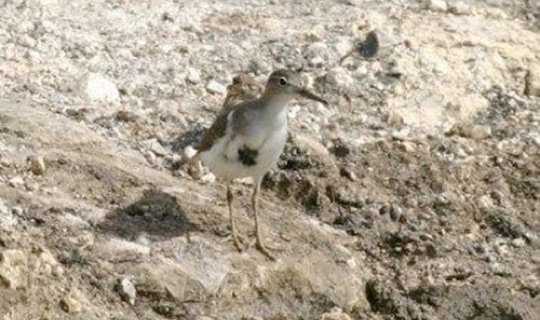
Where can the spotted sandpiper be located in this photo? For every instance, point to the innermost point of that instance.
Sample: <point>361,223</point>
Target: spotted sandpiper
<point>246,140</point>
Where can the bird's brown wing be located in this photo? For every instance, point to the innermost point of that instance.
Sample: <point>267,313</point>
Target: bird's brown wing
<point>239,93</point>
<point>216,131</point>
<point>219,127</point>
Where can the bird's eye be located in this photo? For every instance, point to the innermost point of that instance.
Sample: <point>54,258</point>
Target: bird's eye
<point>282,82</point>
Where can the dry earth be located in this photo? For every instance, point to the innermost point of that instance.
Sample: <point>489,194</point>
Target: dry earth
<point>415,195</point>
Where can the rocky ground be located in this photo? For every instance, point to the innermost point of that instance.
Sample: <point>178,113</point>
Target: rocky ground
<point>414,195</point>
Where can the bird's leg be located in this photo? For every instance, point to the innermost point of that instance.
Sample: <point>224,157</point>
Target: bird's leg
<point>254,204</point>
<point>234,232</point>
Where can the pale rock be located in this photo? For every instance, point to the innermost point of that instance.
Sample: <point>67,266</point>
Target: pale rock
<point>7,220</point>
<point>348,173</point>
<point>395,120</point>
<point>26,41</point>
<point>72,221</point>
<point>470,130</point>
<point>459,8</point>
<point>323,111</point>
<point>18,211</point>
<point>316,150</point>
<point>46,262</point>
<point>500,269</point>
<point>71,305</point>
<point>480,132</point>
<point>343,46</point>
<point>485,202</point>
<point>318,50</point>
<point>127,291</point>
<point>532,82</point>
<point>518,242</point>
<point>49,3</point>
<point>216,88</point>
<point>388,36</point>
<point>197,259</point>
<point>101,89</point>
<point>24,26</point>
<point>175,159</point>
<point>271,26</point>
<point>293,111</point>
<point>335,314</point>
<point>208,178</point>
<point>13,268</point>
<point>193,76</point>
<point>408,146</point>
<point>37,165</point>
<point>316,61</point>
<point>339,77</point>
<point>157,148</point>
<point>535,138</point>
<point>437,5</point>
<point>311,145</point>
<point>496,13</point>
<point>151,157</point>
<point>16,182</point>
<point>399,90</point>
<point>355,3</point>
<point>115,248</point>
<point>188,153</point>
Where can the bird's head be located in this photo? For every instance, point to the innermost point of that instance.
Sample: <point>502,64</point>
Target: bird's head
<point>288,83</point>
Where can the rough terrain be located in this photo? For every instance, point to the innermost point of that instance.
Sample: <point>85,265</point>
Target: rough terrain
<point>414,195</point>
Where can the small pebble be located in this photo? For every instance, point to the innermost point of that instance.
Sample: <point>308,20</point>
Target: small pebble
<point>157,148</point>
<point>18,211</point>
<point>26,41</point>
<point>348,173</point>
<point>101,89</point>
<point>459,8</point>
<point>188,153</point>
<point>518,242</point>
<point>37,165</point>
<point>16,182</point>
<point>208,178</point>
<point>193,76</point>
<point>216,87</point>
<point>127,291</point>
<point>339,77</point>
<point>532,82</point>
<point>385,209</point>
<point>396,212</point>
<point>395,120</point>
<point>437,5</point>
<point>71,305</point>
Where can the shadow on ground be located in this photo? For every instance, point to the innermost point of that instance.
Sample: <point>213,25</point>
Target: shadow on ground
<point>156,214</point>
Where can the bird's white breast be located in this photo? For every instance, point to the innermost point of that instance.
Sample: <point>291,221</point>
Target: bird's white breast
<point>267,137</point>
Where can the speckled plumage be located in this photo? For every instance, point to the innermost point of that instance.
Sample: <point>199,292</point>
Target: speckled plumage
<point>247,139</point>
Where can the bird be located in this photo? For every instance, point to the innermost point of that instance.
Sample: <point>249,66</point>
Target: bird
<point>243,88</point>
<point>247,139</point>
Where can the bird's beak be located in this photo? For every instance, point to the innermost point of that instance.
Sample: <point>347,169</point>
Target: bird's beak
<point>308,94</point>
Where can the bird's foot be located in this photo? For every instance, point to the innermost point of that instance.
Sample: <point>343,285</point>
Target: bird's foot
<point>239,242</point>
<point>265,249</point>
